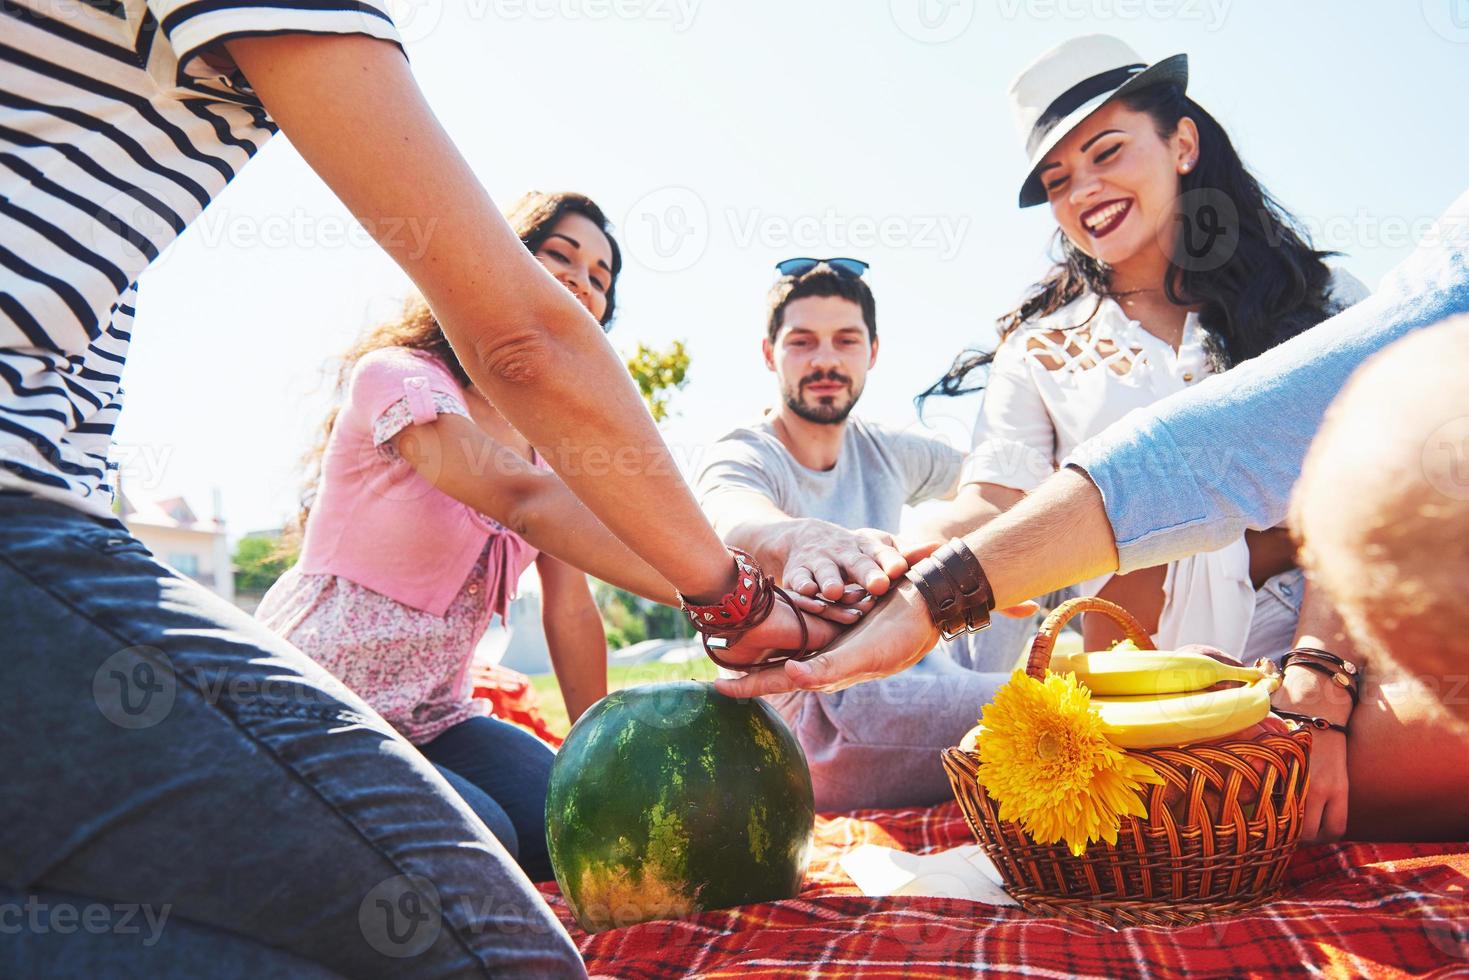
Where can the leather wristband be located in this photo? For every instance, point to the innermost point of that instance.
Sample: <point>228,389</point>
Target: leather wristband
<point>955,589</point>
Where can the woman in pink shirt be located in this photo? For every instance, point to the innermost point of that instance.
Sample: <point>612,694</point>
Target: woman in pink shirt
<point>398,580</point>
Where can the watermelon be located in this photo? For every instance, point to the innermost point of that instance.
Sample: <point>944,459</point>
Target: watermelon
<point>670,799</point>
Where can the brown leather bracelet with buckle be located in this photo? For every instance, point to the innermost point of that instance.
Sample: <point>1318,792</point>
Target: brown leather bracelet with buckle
<point>746,606</point>
<point>955,588</point>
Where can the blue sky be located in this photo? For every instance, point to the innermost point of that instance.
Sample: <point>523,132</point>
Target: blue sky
<point>723,135</point>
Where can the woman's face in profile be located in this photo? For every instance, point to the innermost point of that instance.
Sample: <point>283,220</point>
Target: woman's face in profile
<point>578,254</point>
<point>1113,183</point>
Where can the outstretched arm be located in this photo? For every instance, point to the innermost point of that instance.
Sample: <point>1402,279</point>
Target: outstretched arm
<point>352,108</point>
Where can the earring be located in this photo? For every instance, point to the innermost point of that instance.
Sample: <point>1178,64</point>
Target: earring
<point>1187,166</point>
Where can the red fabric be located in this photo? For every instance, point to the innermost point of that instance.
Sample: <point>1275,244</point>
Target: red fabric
<point>1347,910</point>
<point>514,700</point>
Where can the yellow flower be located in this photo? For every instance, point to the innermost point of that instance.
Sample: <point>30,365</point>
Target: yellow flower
<point>1045,758</point>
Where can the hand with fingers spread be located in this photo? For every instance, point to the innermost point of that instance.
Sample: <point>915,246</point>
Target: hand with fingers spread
<point>823,559</point>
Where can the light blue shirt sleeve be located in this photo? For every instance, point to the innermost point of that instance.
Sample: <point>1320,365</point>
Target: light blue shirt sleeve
<point>1191,472</point>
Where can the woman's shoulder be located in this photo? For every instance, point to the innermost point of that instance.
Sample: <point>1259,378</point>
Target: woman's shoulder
<point>389,367</point>
<point>399,359</point>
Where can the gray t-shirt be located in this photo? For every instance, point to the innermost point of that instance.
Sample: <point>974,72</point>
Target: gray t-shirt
<point>877,472</point>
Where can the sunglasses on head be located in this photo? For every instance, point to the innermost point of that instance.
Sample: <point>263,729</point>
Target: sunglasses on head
<point>851,268</point>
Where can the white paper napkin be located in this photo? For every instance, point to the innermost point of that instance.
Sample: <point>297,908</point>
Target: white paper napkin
<point>960,872</point>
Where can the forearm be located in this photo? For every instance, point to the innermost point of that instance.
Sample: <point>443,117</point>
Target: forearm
<point>355,113</point>
<point>556,522</point>
<point>1056,536</point>
<point>1321,626</point>
<point>578,647</point>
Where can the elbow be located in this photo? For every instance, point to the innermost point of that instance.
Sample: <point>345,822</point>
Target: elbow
<point>525,508</point>
<point>519,358</point>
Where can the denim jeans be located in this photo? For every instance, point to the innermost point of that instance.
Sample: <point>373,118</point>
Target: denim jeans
<point>503,773</point>
<point>877,744</point>
<point>160,748</point>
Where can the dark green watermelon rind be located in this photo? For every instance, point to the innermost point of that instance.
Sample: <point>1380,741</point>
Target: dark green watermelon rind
<point>671,799</point>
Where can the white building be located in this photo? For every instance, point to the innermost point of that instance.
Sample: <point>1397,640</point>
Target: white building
<point>179,538</point>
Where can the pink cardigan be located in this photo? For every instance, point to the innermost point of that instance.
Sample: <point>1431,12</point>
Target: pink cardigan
<point>379,523</point>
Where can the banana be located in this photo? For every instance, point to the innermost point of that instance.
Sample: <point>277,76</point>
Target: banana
<point>1119,673</point>
<point>1178,719</point>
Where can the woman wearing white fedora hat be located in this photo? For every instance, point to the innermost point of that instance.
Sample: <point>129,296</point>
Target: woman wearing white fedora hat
<point>1173,264</point>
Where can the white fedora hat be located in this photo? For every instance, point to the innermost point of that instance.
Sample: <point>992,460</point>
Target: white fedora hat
<point>1070,82</point>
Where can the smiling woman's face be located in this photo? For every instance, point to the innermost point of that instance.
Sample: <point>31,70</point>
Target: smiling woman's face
<point>1113,185</point>
<point>578,254</point>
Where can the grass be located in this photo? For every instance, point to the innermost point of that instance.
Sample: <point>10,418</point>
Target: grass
<point>554,710</point>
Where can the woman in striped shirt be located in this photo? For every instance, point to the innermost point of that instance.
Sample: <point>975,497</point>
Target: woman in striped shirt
<point>169,749</point>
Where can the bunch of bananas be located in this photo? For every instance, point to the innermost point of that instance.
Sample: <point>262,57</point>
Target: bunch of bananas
<point>1156,698</point>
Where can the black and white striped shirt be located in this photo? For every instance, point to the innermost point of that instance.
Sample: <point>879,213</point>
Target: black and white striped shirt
<point>120,120</point>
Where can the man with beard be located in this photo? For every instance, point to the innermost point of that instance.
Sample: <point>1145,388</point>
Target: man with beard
<point>788,488</point>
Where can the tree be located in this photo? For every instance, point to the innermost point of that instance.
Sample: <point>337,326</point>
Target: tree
<point>259,561</point>
<point>659,374</point>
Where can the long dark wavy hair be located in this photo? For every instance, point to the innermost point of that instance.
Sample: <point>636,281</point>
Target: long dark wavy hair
<point>1271,288</point>
<point>532,217</point>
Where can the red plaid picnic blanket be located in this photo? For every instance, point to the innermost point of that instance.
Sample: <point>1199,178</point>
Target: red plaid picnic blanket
<point>1348,910</point>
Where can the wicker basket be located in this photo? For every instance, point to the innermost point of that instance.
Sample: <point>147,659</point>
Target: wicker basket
<point>1202,856</point>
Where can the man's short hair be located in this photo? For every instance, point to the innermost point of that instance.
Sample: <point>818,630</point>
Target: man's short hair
<point>821,281</point>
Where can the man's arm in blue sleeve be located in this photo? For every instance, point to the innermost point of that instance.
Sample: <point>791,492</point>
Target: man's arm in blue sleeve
<point>1192,472</point>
